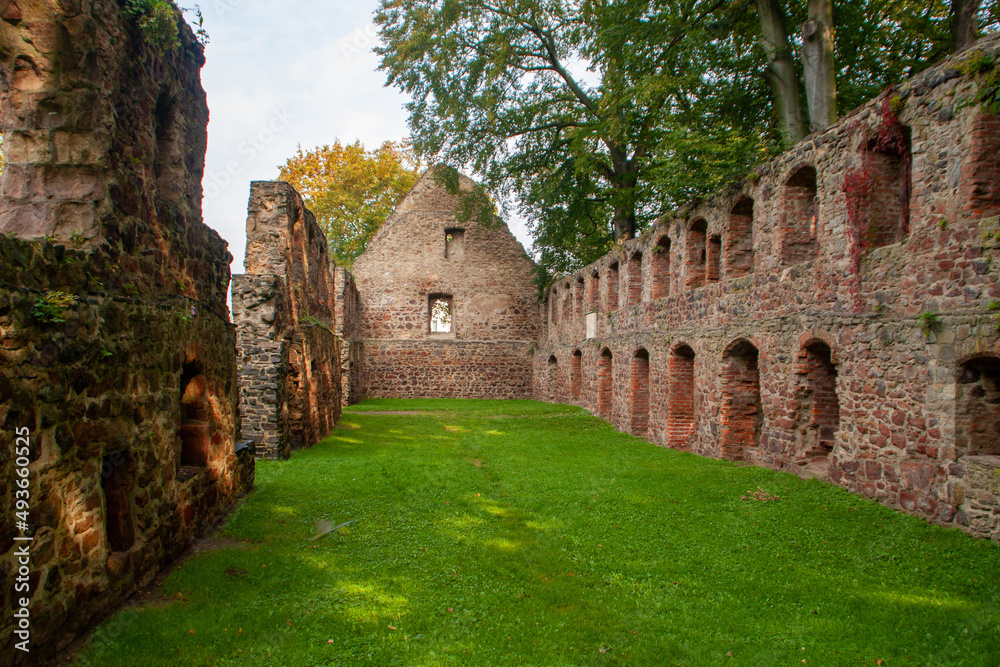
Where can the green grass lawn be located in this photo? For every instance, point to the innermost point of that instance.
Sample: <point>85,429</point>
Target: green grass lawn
<point>521,533</point>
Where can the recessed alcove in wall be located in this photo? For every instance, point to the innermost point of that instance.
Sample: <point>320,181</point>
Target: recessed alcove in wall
<point>552,378</point>
<point>639,403</point>
<point>635,279</point>
<point>713,260</point>
<point>605,373</point>
<point>818,415</point>
<point>697,254</point>
<point>977,407</point>
<point>661,268</point>
<point>576,374</point>
<point>739,239</point>
<point>611,287</point>
<point>117,486</point>
<point>888,166</point>
<point>196,417</point>
<point>578,296</point>
<point>798,227</point>
<point>680,397</point>
<point>741,413</point>
<point>454,244</point>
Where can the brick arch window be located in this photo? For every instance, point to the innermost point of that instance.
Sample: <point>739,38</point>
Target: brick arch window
<point>797,230</point>
<point>818,415</point>
<point>118,488</point>
<point>567,302</point>
<point>680,404</point>
<point>552,378</point>
<point>578,296</point>
<point>605,379</point>
<point>661,268</point>
<point>639,403</point>
<point>977,407</point>
<point>554,306</point>
<point>576,374</point>
<point>696,254</point>
<point>742,416</point>
<point>611,286</point>
<point>889,169</point>
<point>196,417</point>
<point>738,251</point>
<point>441,314</point>
<point>635,279</point>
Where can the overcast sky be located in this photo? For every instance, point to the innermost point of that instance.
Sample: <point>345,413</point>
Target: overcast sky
<point>283,74</point>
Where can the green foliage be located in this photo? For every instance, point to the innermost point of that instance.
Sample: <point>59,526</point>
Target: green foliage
<point>930,322</point>
<point>158,21</point>
<point>495,533</point>
<point>476,203</point>
<point>351,190</point>
<point>982,66</point>
<point>50,308</point>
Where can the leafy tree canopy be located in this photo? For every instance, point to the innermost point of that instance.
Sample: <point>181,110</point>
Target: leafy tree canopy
<point>352,191</point>
<point>595,116</point>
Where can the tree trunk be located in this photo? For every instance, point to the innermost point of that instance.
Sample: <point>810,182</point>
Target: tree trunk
<point>964,23</point>
<point>780,73</point>
<point>818,65</point>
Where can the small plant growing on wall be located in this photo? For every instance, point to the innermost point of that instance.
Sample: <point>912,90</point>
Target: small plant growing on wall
<point>982,66</point>
<point>929,322</point>
<point>50,308</point>
<point>158,21</point>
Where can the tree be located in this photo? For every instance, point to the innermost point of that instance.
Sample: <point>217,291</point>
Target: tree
<point>352,191</point>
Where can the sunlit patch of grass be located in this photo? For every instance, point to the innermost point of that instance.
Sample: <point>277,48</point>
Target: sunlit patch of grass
<point>521,533</point>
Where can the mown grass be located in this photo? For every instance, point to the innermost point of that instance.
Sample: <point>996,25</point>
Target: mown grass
<point>520,533</point>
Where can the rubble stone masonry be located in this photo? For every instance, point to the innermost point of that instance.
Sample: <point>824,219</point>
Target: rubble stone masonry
<point>116,351</point>
<point>756,327</point>
<point>284,309</point>
<point>424,253</point>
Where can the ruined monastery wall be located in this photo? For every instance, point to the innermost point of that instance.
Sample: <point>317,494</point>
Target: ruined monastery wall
<point>425,253</point>
<point>284,310</point>
<point>834,315</point>
<point>118,357</point>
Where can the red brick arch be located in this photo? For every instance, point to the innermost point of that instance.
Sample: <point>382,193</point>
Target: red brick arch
<point>681,396</point>
<point>742,414</point>
<point>639,403</point>
<point>605,382</point>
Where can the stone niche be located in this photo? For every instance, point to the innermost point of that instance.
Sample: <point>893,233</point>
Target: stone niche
<point>116,350</point>
<point>446,307</point>
<point>285,311</point>
<point>746,332</point>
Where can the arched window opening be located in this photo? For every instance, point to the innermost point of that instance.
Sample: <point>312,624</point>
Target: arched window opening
<point>605,371</point>
<point>576,371</point>
<point>639,407</point>
<point>680,406</point>
<point>799,218</point>
<point>697,254</point>
<point>742,416</point>
<point>661,268</point>
<point>977,408</point>
<point>739,240</point>
<point>578,296</point>
<point>818,418</point>
<point>594,300</point>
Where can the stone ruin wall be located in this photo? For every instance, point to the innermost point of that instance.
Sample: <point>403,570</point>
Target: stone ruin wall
<point>284,310</point>
<point>483,272</point>
<point>737,327</point>
<point>349,329</point>
<point>129,390</point>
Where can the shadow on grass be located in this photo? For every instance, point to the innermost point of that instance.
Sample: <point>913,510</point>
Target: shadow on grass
<point>559,541</point>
